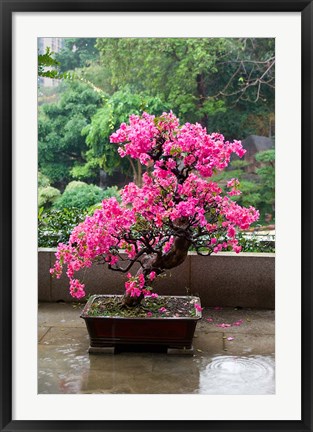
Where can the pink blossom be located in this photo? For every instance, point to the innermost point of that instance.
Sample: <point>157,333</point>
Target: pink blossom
<point>198,307</point>
<point>189,160</point>
<point>77,289</point>
<point>152,276</point>
<point>134,286</point>
<point>234,185</point>
<point>218,248</point>
<point>231,232</point>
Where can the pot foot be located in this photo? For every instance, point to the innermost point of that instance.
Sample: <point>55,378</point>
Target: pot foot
<point>180,351</point>
<point>101,350</point>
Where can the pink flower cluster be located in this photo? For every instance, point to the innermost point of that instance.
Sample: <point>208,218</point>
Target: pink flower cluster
<point>77,289</point>
<point>234,185</point>
<point>140,135</point>
<point>134,285</point>
<point>177,188</point>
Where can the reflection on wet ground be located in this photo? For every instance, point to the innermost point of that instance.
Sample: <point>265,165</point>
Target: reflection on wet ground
<point>231,360</point>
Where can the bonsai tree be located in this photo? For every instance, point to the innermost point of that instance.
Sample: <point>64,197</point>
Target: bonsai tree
<point>177,208</point>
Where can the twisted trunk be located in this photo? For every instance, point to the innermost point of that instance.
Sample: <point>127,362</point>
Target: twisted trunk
<point>158,263</point>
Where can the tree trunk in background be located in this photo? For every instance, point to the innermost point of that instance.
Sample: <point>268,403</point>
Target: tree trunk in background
<point>201,90</point>
<point>103,179</point>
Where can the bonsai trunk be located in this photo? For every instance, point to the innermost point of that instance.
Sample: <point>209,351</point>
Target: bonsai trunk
<point>158,263</point>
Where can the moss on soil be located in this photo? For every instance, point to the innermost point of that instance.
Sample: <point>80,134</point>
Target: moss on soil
<point>162,306</point>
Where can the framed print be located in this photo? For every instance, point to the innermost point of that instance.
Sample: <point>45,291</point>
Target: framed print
<point>201,80</point>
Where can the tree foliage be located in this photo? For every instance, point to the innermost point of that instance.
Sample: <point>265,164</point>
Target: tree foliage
<point>61,145</point>
<point>257,187</point>
<point>49,66</point>
<point>210,80</point>
<point>115,111</point>
<point>169,68</point>
<point>266,173</point>
<point>55,226</point>
<point>77,53</point>
<point>47,194</point>
<point>81,195</point>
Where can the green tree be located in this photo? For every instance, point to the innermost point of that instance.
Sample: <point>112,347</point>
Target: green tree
<point>77,53</point>
<point>266,172</point>
<point>245,82</point>
<point>116,110</point>
<point>170,68</point>
<point>60,143</point>
<point>210,80</point>
<point>258,187</point>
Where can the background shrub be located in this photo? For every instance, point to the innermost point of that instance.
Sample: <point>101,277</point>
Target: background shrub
<point>81,195</point>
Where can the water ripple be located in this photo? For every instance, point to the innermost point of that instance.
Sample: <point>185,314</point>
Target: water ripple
<point>238,375</point>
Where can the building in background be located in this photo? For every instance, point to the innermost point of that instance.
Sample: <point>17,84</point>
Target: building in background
<point>55,44</point>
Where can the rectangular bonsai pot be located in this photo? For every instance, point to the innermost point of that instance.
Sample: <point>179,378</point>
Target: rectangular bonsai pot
<point>171,332</point>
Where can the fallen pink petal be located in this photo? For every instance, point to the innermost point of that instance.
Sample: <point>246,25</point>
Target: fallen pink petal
<point>209,319</point>
<point>230,338</point>
<point>238,323</point>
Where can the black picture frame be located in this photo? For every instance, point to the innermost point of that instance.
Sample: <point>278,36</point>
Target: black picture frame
<point>7,8</point>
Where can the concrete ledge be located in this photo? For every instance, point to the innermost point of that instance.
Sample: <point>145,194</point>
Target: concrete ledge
<point>224,279</point>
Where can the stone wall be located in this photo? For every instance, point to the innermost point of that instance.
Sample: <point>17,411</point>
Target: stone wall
<point>224,279</point>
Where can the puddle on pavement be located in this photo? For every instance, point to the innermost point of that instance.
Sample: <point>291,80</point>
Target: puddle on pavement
<point>244,375</point>
<point>218,375</point>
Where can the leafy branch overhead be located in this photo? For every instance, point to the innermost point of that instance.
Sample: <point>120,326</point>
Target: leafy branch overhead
<point>48,66</point>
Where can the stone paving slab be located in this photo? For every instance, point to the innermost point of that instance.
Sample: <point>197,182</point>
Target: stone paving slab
<point>249,344</point>
<point>65,336</point>
<point>258,321</point>
<point>243,365</point>
<point>60,315</point>
<point>42,332</point>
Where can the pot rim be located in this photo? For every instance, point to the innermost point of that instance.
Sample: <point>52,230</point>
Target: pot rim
<point>85,315</point>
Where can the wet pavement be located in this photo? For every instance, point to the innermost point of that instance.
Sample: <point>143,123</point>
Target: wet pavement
<point>233,354</point>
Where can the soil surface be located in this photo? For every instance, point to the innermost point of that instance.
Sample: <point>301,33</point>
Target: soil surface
<point>150,307</point>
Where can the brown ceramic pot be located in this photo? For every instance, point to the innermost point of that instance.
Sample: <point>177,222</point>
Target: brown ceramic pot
<point>170,332</point>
